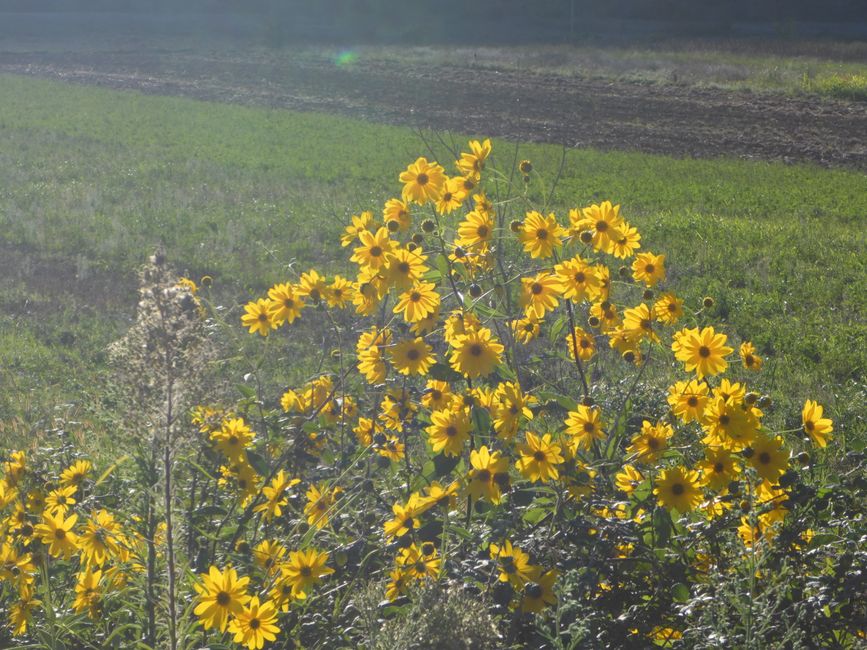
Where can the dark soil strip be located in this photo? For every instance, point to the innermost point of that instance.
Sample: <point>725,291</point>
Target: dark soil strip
<point>577,112</point>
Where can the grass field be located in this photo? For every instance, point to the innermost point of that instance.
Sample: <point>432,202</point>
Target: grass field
<point>93,180</point>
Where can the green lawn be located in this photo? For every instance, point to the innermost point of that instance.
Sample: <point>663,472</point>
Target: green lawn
<point>93,179</point>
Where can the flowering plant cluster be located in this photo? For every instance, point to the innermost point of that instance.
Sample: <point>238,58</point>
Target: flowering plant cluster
<point>525,407</point>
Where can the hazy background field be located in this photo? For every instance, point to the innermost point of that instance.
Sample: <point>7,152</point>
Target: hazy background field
<point>242,188</point>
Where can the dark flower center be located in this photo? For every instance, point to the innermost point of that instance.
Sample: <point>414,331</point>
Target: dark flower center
<point>677,489</point>
<point>451,431</point>
<point>476,350</point>
<point>536,288</point>
<point>484,475</point>
<point>692,401</point>
<point>580,277</point>
<point>421,179</point>
<point>482,231</point>
<point>375,251</point>
<point>650,268</point>
<point>539,456</point>
<point>305,571</point>
<point>223,599</point>
<point>415,296</point>
<point>764,458</point>
<point>718,468</point>
<point>542,234</point>
<point>704,352</point>
<point>254,623</point>
<point>413,354</point>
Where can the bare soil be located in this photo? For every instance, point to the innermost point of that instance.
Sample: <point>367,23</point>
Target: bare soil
<point>671,119</point>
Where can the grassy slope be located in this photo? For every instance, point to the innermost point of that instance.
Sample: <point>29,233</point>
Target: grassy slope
<point>93,179</point>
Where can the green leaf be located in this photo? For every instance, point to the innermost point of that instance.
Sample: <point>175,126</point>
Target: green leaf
<point>210,511</point>
<point>443,372</point>
<point>482,420</point>
<point>111,468</point>
<point>662,526</point>
<point>535,515</point>
<point>258,462</point>
<point>246,391</point>
<point>557,329</point>
<point>680,592</point>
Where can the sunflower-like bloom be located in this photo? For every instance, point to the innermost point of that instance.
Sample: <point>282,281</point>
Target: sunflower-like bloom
<point>718,468</point>
<point>397,211</point>
<point>770,457</point>
<point>101,538</point>
<point>471,164</point>
<point>728,424</point>
<point>579,279</point>
<point>539,457</point>
<point>405,517</point>
<point>638,322</point>
<point>628,479</point>
<point>581,341</point>
<point>602,221</point>
<point>449,430</point>
<point>320,500</point>
<point>475,231</point>
<point>539,592</point>
<point>255,624</point>
<point>688,399</point>
<point>361,223</point>
<point>233,438</point>
<point>677,488</point>
<point>55,531</point>
<point>476,353</point>
<point>268,554</point>
<point>420,561</point>
<point>59,501</point>
<point>405,267</point>
<point>704,352</point>
<point>540,235</point>
<point>625,240</point>
<point>423,181</point>
<point>648,268</point>
<point>651,441</point>
<point>88,591</point>
<point>275,495</point>
<point>412,356</point>
<point>817,427</point>
<point>526,329</point>
<point>509,405</point>
<point>668,309</point>
<point>285,304</point>
<point>257,317</point>
<point>418,302</point>
<point>584,424</point>
<point>540,294</point>
<point>485,476</point>
<point>76,473</point>
<point>452,196</point>
<point>304,569</point>
<point>514,564</point>
<point>374,250</point>
<point>606,313</point>
<point>339,293</point>
<point>749,357</point>
<point>220,593</point>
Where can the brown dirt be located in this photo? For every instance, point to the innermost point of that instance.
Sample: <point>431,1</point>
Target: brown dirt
<point>577,112</point>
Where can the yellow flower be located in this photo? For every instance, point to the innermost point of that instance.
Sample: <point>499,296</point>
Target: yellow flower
<point>339,293</point>
<point>56,533</point>
<point>412,356</point>
<point>274,494</point>
<point>728,424</point>
<point>651,441</point>
<point>320,499</point>
<point>405,267</point>
<point>88,592</point>
<point>101,538</point>
<point>749,358</point>
<point>510,405</point>
<point>584,424</point>
<point>400,581</point>
<point>476,230</point>
<point>638,323</point>
<point>459,323</point>
<point>59,501</point>
<point>255,624</point>
<point>75,473</point>
<point>817,427</point>
<point>718,469</point>
<point>476,354</point>
<point>392,448</point>
<point>688,399</point>
<point>769,457</point>
<point>607,315</point>
<point>233,438</point>
<point>602,221</point>
<point>405,517</point>
<point>540,294</point>
<point>285,304</point>
<point>579,279</point>
<point>648,268</point>
<point>449,431</point>
<point>361,223</point>
<point>539,593</point>
<point>539,456</point>
<point>257,317</point>
<point>374,250</point>
<point>703,351</point>
<point>514,564</point>
<point>220,593</point>
<point>526,329</point>
<point>472,164</point>
<point>304,569</point>
<point>418,302</point>
<point>677,488</point>
<point>419,564</point>
<point>484,477</point>
<point>540,235</point>
<point>397,211</point>
<point>624,241</point>
<point>422,181</point>
<point>628,479</point>
<point>437,395</point>
<point>268,554</point>
<point>452,196</point>
<point>668,309</point>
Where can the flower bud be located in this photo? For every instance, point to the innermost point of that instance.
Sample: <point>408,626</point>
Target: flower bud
<point>418,238</point>
<point>707,302</point>
<point>516,225</point>
<point>647,295</point>
<point>586,236</point>
<point>393,225</point>
<point>475,290</point>
<point>428,225</point>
